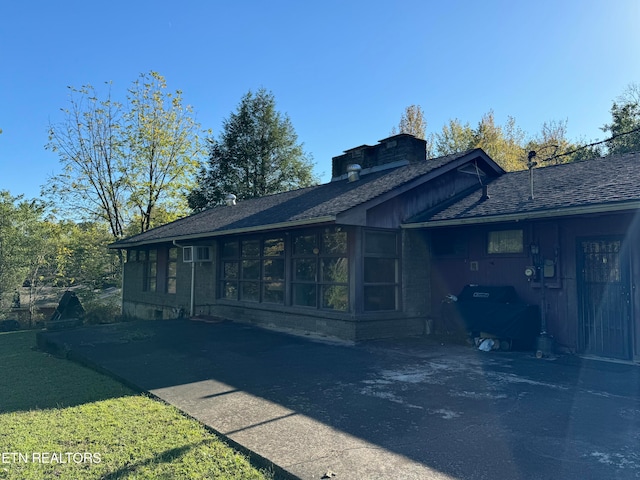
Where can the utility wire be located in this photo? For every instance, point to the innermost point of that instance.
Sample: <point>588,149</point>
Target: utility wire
<point>553,157</point>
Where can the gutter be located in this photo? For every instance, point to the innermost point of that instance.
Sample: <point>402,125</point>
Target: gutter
<point>516,217</point>
<point>198,236</point>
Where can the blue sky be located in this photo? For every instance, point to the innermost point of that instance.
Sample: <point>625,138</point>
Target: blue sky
<point>342,70</point>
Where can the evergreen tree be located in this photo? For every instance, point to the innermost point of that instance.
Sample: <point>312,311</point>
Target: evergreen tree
<point>625,117</point>
<point>256,154</point>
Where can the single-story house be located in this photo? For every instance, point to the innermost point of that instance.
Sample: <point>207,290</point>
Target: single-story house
<point>375,251</point>
<point>330,258</point>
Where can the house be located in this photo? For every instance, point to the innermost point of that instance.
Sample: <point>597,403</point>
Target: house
<point>374,252</point>
<point>330,258</point>
<point>572,249</point>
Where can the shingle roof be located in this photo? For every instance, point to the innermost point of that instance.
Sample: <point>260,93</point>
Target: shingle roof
<point>608,182</point>
<point>311,204</point>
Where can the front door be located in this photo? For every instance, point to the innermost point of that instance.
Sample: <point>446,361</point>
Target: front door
<point>604,298</point>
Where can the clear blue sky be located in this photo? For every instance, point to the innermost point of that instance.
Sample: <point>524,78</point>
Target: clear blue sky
<point>342,70</point>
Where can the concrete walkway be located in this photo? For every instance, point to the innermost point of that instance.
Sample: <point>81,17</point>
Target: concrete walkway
<point>405,409</point>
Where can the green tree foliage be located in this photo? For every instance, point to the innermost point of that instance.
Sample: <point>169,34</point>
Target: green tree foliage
<point>26,246</point>
<point>502,143</point>
<point>162,143</point>
<point>82,256</point>
<point>625,117</point>
<point>121,162</point>
<point>412,121</point>
<point>256,154</point>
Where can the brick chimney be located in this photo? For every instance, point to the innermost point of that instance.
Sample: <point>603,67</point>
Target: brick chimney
<point>391,152</point>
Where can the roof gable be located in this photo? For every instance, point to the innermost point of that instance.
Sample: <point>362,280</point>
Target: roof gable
<point>605,183</point>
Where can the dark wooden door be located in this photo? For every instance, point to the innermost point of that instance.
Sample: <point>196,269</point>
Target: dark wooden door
<point>604,298</point>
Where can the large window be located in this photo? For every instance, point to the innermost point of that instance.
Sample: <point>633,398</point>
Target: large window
<point>253,270</point>
<point>321,270</point>
<point>505,241</point>
<point>381,275</point>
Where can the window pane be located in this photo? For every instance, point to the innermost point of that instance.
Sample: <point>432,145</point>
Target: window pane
<point>273,292</point>
<point>152,284</point>
<point>273,247</point>
<point>142,255</point>
<point>173,253</point>
<point>379,270</point>
<point>250,291</point>
<point>505,241</point>
<point>172,269</point>
<point>230,249</point>
<point>153,255</point>
<point>250,248</point>
<point>380,297</point>
<point>304,295</point>
<point>171,285</point>
<point>335,297</point>
<point>334,243</point>
<point>381,243</point>
<point>273,269</point>
<point>251,269</point>
<point>230,270</point>
<point>305,269</point>
<point>304,245</point>
<point>334,270</point>
<point>230,290</point>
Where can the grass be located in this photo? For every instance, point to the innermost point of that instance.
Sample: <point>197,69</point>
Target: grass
<point>63,421</point>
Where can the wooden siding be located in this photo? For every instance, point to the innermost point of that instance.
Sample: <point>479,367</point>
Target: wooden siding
<point>394,212</point>
<point>557,240</point>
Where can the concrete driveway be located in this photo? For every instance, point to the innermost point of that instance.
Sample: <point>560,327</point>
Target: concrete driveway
<point>401,409</point>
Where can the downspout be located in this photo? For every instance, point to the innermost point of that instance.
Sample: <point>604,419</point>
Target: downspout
<point>123,257</point>
<point>192,300</point>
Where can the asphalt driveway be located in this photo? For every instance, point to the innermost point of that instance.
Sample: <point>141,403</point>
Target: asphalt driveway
<point>412,408</point>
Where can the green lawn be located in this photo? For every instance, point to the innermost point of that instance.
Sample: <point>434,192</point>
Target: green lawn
<point>60,420</point>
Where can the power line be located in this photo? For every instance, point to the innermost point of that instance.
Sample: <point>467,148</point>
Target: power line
<point>553,157</point>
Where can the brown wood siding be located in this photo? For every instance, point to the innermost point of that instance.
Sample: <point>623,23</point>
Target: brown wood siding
<point>393,213</point>
<point>557,239</point>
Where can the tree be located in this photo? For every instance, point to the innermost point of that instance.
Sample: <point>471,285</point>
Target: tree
<point>502,143</point>
<point>625,117</point>
<point>412,121</point>
<point>25,245</point>
<point>454,137</point>
<point>162,142</point>
<point>256,154</point>
<point>119,161</point>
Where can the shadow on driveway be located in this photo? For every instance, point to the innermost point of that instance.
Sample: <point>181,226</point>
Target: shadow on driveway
<point>409,408</point>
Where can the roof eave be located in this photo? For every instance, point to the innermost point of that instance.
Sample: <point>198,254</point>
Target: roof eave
<point>220,233</point>
<point>520,216</point>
